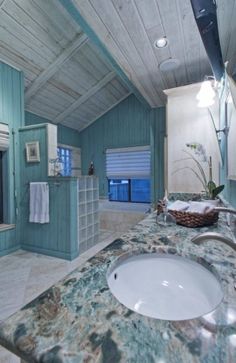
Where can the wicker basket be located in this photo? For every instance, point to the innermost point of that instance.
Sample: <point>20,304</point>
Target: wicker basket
<point>194,219</point>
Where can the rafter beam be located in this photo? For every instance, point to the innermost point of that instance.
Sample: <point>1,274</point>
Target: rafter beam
<point>72,8</point>
<point>54,66</point>
<point>2,3</point>
<point>104,112</point>
<point>85,97</point>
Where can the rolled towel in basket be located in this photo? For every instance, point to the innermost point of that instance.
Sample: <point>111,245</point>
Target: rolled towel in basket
<point>200,207</point>
<point>179,205</point>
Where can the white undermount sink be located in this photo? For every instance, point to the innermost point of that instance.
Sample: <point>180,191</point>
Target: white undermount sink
<point>164,286</point>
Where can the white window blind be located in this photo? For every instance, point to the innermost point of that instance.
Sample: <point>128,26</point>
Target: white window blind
<point>4,137</point>
<point>128,163</point>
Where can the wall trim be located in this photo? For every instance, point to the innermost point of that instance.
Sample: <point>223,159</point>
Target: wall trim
<point>44,251</point>
<point>9,250</point>
<point>38,126</point>
<point>6,227</point>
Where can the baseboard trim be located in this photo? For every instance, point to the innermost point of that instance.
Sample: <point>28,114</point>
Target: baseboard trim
<point>43,251</point>
<point>9,250</point>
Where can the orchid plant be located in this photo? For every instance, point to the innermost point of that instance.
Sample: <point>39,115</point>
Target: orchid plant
<point>198,155</point>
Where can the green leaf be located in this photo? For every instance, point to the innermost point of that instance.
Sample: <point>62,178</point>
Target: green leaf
<point>211,186</point>
<point>217,191</point>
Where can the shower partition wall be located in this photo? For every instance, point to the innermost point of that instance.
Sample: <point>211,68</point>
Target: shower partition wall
<point>88,215</point>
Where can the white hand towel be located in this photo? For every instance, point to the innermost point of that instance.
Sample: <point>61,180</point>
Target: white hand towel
<point>200,207</point>
<point>178,205</point>
<point>39,203</point>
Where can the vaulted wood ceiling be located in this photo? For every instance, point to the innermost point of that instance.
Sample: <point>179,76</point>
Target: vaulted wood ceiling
<point>129,28</point>
<point>69,80</point>
<point>226,14</point>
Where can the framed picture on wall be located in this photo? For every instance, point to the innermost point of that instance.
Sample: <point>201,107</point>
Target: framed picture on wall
<point>32,152</point>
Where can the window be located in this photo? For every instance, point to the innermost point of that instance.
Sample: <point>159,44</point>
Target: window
<point>118,190</point>
<point>1,191</point>
<point>140,190</point>
<point>128,173</point>
<point>65,156</point>
<point>129,190</point>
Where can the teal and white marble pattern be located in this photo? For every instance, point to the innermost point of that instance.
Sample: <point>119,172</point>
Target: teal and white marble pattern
<point>79,320</point>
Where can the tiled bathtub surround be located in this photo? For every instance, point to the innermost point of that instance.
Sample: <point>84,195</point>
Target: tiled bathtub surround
<point>120,216</point>
<point>119,221</point>
<point>79,320</point>
<point>185,196</point>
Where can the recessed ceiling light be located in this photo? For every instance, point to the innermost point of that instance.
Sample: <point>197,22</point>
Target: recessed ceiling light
<point>161,43</point>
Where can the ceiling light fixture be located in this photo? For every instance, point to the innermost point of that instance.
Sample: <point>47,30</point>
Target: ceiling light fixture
<point>169,65</point>
<point>206,95</point>
<point>161,43</point>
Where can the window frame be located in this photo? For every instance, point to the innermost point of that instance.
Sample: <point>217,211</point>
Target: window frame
<point>67,164</point>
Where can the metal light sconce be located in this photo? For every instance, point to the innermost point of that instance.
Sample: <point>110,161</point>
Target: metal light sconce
<point>225,130</point>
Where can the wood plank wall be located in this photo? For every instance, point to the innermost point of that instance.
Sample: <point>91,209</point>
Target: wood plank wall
<point>59,237</point>
<point>12,113</point>
<point>157,136</point>
<point>229,191</point>
<point>128,124</point>
<point>65,134</point>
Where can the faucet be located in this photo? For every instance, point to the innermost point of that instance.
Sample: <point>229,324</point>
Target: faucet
<point>226,210</point>
<point>217,236</point>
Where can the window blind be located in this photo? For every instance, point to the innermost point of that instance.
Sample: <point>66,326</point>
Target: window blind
<point>128,163</point>
<point>4,137</point>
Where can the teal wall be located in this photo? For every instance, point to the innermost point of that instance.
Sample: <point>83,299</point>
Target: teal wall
<point>229,192</point>
<point>157,137</point>
<point>59,237</point>
<point>12,113</point>
<point>65,135</point>
<point>128,124</point>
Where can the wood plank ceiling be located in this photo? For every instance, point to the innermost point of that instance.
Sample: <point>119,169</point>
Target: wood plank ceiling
<point>67,80</point>
<point>128,29</point>
<point>226,14</point>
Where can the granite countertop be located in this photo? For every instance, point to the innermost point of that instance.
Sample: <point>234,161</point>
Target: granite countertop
<point>79,320</point>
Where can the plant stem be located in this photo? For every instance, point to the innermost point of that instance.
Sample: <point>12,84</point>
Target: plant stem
<point>198,177</point>
<point>198,165</point>
<point>210,168</point>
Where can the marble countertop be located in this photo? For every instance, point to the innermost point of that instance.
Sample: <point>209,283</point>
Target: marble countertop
<point>79,320</point>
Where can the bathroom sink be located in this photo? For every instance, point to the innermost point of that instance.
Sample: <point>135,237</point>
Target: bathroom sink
<point>164,286</point>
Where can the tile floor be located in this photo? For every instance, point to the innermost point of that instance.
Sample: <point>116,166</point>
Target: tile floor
<point>24,275</point>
